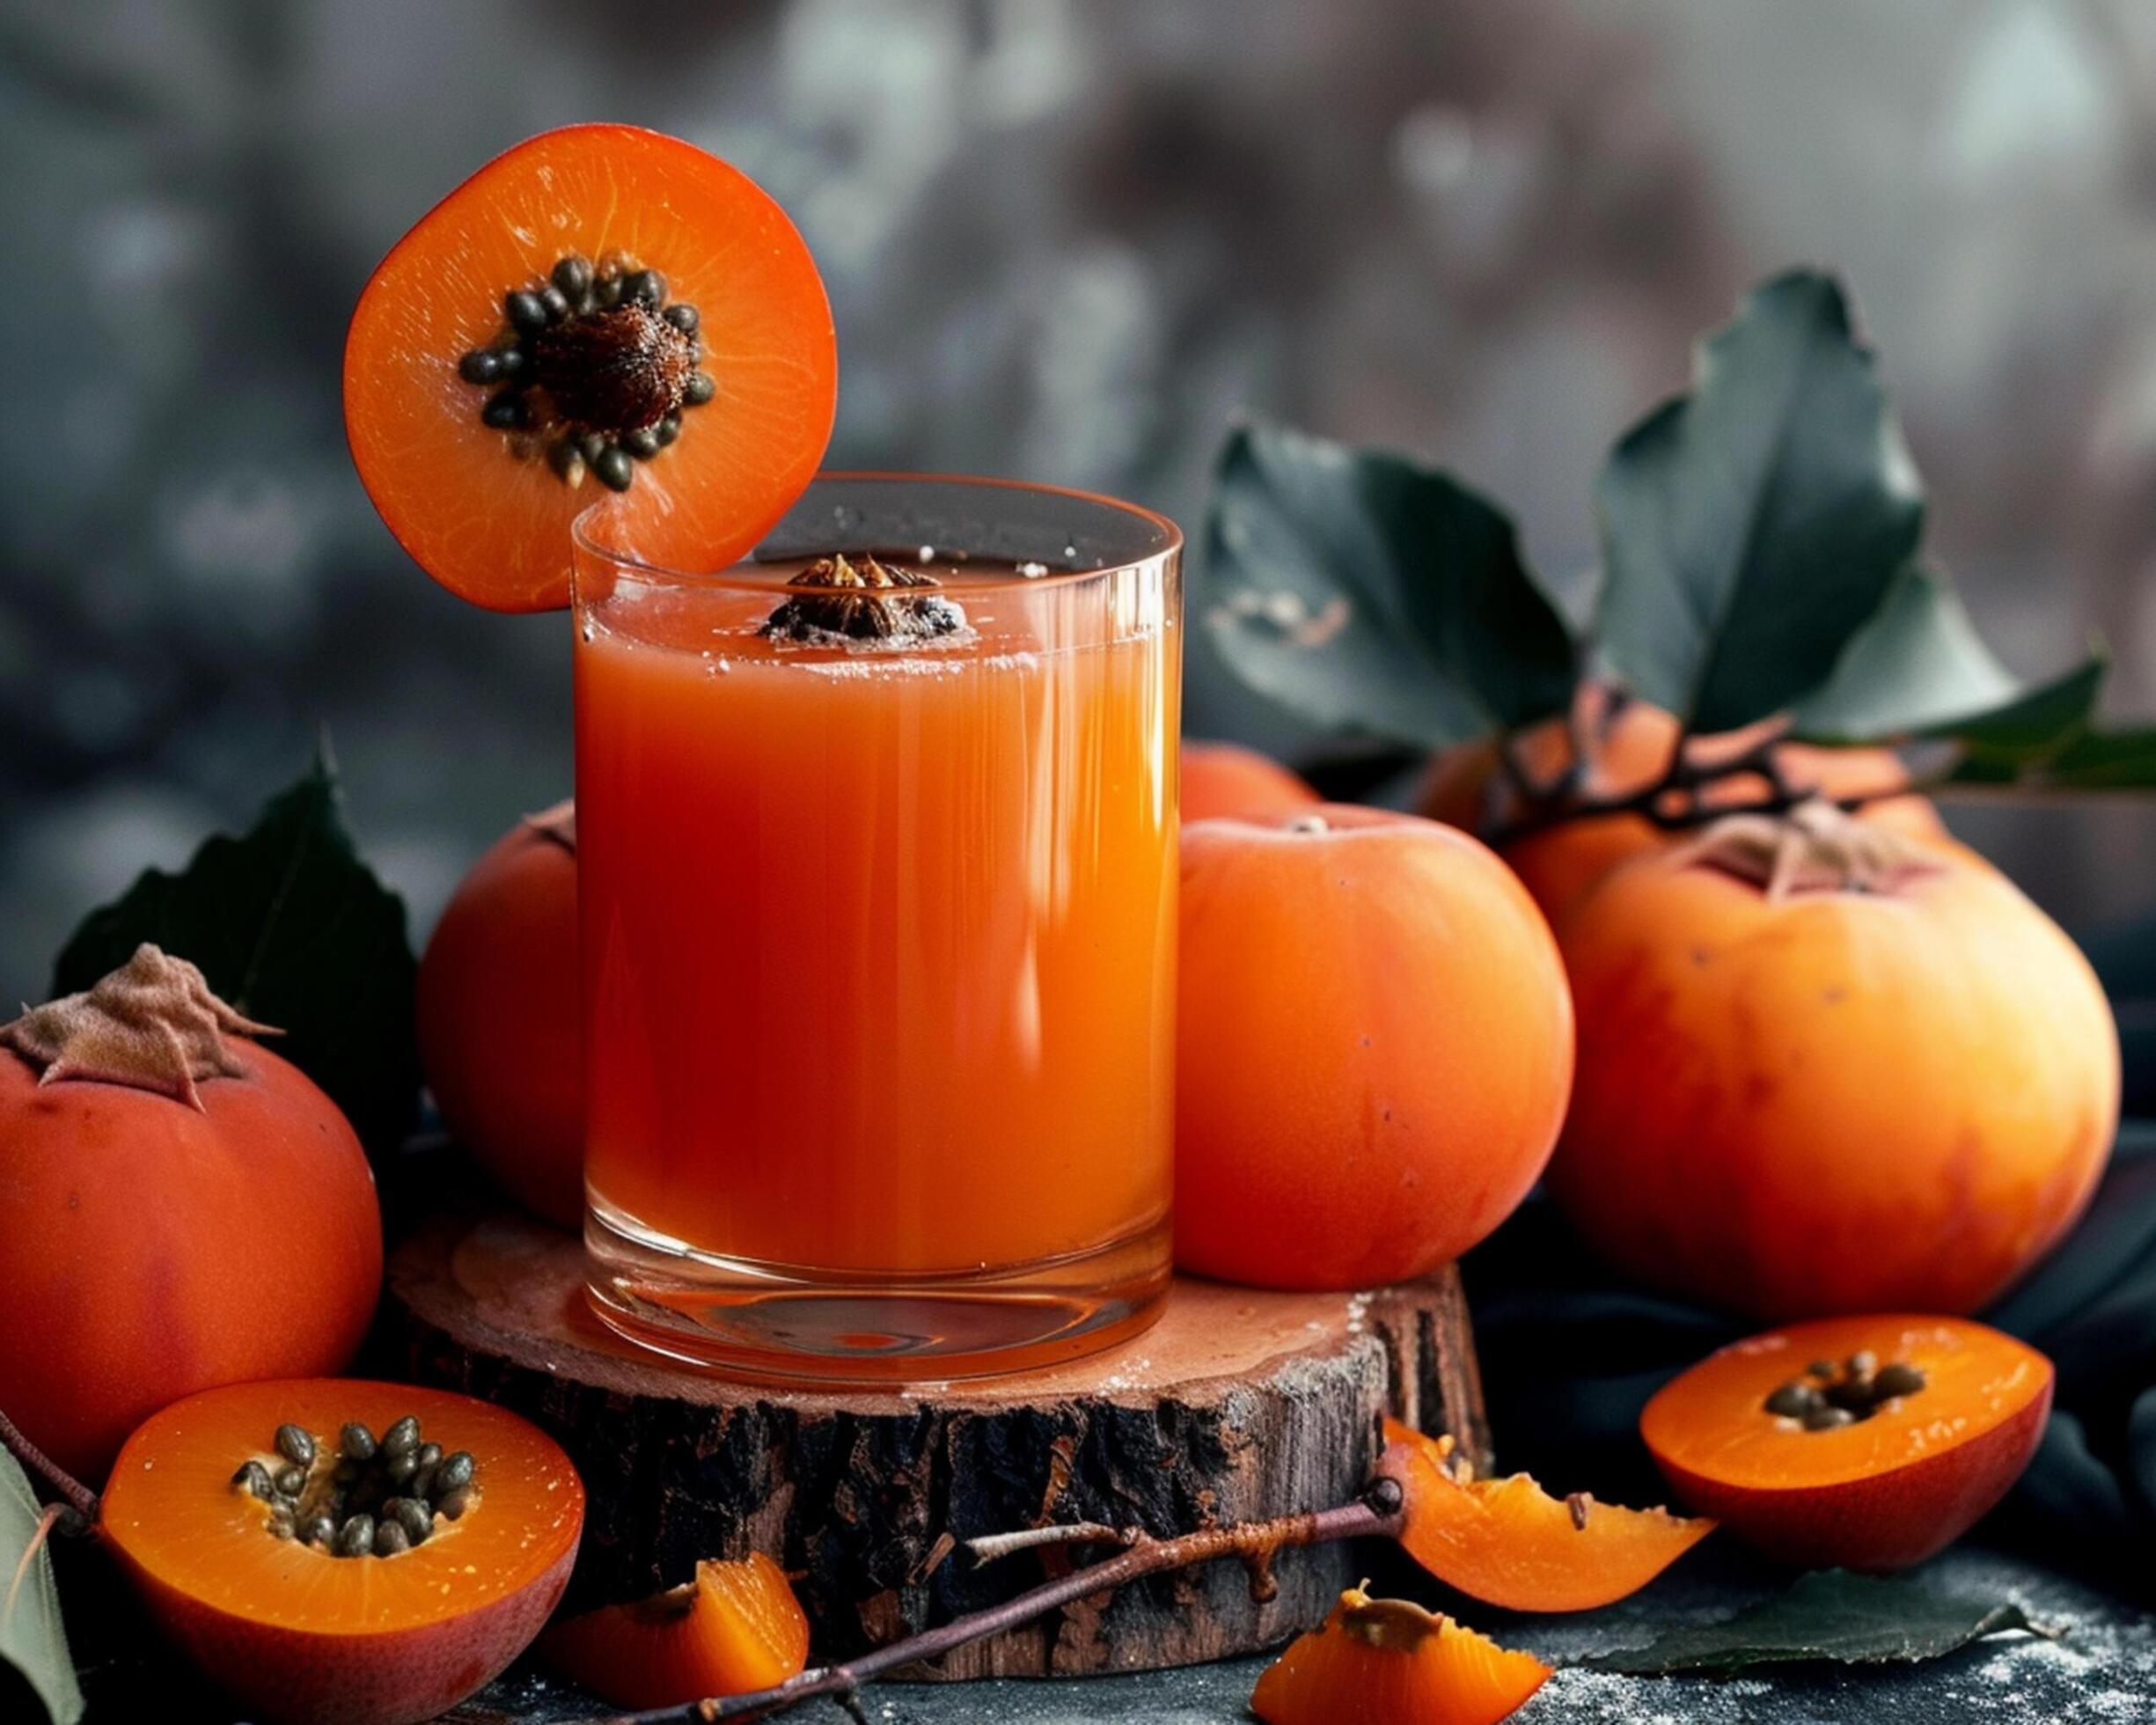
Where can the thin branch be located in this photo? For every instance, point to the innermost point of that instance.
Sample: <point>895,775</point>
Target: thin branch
<point>990,1547</point>
<point>1376,1515</point>
<point>82,1501</point>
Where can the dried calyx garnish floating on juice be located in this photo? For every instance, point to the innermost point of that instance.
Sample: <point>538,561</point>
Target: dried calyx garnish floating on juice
<point>1866,1442</point>
<point>378,1553</point>
<point>600,310</point>
<point>1390,1660</point>
<point>1508,1542</point>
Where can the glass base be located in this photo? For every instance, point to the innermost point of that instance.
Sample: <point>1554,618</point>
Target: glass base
<point>785,1323</point>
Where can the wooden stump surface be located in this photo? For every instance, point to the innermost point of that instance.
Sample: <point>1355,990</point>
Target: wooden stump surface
<point>1237,1404</point>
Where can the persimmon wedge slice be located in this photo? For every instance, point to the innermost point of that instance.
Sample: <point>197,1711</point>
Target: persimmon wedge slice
<point>1389,1662</point>
<point>1508,1542</point>
<point>295,1629</point>
<point>734,1628</point>
<point>482,423</point>
<point>1896,1479</point>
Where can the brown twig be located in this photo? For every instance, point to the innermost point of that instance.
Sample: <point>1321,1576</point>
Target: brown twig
<point>81,1501</point>
<point>990,1547</point>
<point>1376,1513</point>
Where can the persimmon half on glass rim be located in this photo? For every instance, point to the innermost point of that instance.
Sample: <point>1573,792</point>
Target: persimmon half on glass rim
<point>602,314</point>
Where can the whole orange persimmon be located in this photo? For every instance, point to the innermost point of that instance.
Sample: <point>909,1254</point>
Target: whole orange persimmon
<point>179,1208</point>
<point>1375,1047</point>
<point>1227,779</point>
<point>1824,1070</point>
<point>498,1030</point>
<point>1631,743</point>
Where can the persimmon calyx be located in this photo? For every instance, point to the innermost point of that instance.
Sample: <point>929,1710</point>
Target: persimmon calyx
<point>861,598</point>
<point>152,1024</point>
<point>558,824</point>
<point>1817,847</point>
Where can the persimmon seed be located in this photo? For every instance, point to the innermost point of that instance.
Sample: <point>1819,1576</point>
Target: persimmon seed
<point>573,275</point>
<point>1793,1401</point>
<point>525,311</point>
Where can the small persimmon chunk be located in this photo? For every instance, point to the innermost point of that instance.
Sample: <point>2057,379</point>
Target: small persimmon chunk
<point>599,309</point>
<point>344,1552</point>
<point>1508,1542</point>
<point>736,1628</point>
<point>1869,1442</point>
<point>1389,1662</point>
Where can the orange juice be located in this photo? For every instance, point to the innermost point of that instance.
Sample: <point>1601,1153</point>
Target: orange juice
<point>878,950</point>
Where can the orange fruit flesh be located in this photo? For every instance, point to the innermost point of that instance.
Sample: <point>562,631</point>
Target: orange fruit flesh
<point>1509,1543</point>
<point>493,527</point>
<point>736,1627</point>
<point>1712,1420</point>
<point>1389,1663</point>
<point>302,1634</point>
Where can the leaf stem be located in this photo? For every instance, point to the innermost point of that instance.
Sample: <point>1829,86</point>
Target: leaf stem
<point>81,1501</point>
<point>1377,1514</point>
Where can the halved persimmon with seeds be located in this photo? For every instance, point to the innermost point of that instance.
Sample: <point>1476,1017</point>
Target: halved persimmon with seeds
<point>344,1552</point>
<point>601,309</point>
<point>1870,1442</point>
<point>736,1628</point>
<point>1389,1662</point>
<point>1508,1542</point>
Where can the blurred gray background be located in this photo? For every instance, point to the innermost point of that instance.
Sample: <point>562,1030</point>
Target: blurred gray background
<point>1066,239</point>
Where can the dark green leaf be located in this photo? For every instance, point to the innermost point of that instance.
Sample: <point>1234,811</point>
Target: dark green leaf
<point>1830,1615</point>
<point>1751,528</point>
<point>295,931</point>
<point>1372,594</point>
<point>1918,662</point>
<point>31,1639</point>
<point>2107,759</point>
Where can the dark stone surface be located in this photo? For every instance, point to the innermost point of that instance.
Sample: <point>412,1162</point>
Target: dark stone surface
<point>2099,1671</point>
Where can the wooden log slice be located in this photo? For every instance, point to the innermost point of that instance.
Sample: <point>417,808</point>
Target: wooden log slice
<point>1237,1404</point>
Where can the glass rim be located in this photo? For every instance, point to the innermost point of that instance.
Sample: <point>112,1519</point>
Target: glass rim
<point>740,577</point>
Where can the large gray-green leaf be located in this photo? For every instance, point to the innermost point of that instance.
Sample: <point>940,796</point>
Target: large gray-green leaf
<point>1372,594</point>
<point>1918,669</point>
<point>1918,662</point>
<point>1750,529</point>
<point>31,1639</point>
<point>1829,1615</point>
<point>289,925</point>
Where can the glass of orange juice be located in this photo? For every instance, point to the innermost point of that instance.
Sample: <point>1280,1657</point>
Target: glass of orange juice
<point>878,869</point>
